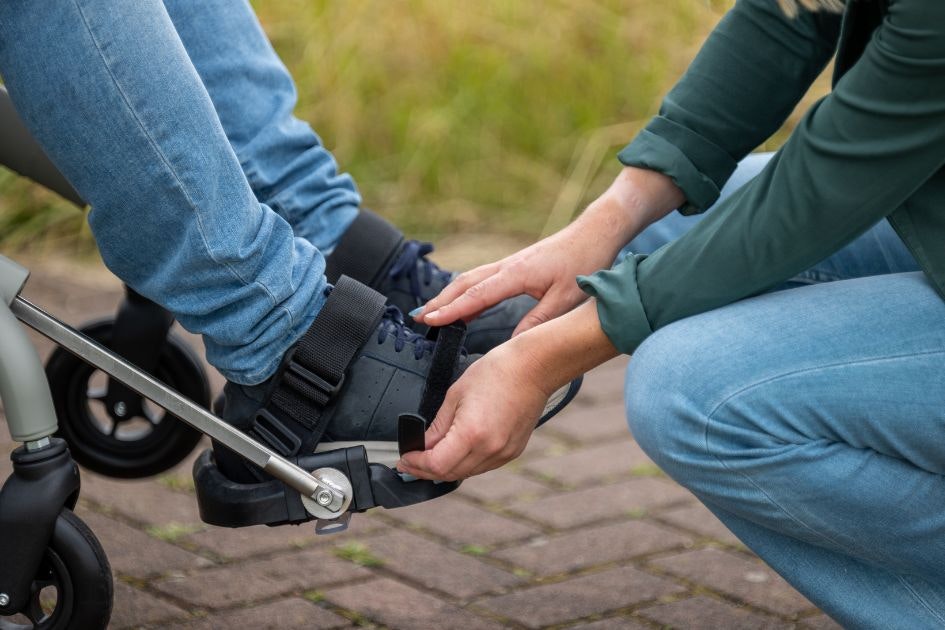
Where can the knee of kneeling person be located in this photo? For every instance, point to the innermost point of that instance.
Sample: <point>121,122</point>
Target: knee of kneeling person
<point>664,398</point>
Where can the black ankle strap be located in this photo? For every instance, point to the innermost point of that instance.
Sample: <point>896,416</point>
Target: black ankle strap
<point>366,250</point>
<point>449,346</point>
<point>315,370</point>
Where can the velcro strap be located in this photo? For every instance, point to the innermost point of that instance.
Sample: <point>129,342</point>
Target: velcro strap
<point>366,250</point>
<point>315,372</point>
<point>446,352</point>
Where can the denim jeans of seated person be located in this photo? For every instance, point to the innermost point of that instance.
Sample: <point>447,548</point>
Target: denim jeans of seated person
<point>174,121</point>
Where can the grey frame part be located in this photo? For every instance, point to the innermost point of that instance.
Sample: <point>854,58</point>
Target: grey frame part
<point>20,152</point>
<point>24,390</point>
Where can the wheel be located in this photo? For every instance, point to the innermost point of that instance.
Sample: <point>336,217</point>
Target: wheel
<point>72,589</point>
<point>146,442</point>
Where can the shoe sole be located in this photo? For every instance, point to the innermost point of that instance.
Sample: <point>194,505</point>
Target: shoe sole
<point>387,453</point>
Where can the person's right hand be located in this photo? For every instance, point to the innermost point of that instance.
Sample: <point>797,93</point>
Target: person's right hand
<point>547,270</point>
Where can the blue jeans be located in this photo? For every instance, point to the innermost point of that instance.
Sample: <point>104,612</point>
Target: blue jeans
<point>174,120</point>
<point>811,421</point>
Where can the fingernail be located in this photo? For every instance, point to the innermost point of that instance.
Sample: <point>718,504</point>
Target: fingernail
<point>415,311</point>
<point>433,315</point>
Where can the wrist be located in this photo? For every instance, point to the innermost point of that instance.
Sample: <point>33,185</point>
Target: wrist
<point>554,353</point>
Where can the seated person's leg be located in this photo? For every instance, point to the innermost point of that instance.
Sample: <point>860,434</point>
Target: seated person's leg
<point>110,92</point>
<point>810,422</point>
<point>291,172</point>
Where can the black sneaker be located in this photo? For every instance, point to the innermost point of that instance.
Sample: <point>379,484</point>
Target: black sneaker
<point>376,253</point>
<point>347,381</point>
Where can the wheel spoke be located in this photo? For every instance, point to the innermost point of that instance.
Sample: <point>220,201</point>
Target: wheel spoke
<point>114,428</point>
<point>34,611</point>
<point>96,393</point>
<point>151,416</point>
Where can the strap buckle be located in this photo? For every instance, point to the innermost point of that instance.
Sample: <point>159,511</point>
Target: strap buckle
<point>307,376</point>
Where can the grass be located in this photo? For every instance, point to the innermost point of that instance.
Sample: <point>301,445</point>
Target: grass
<point>455,116</point>
<point>172,532</point>
<point>475,550</point>
<point>359,554</point>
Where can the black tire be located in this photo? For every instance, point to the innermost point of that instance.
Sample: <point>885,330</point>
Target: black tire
<point>96,441</point>
<point>76,566</point>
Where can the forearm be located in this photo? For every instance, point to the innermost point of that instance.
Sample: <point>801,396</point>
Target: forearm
<point>635,199</point>
<point>564,348</point>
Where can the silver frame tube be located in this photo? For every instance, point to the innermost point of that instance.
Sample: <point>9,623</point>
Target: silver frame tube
<point>23,387</point>
<point>188,411</point>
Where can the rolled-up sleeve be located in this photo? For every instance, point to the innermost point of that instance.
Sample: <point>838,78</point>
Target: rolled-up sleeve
<point>619,306</point>
<point>749,75</point>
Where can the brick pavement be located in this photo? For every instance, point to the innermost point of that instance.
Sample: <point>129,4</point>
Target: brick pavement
<point>583,531</point>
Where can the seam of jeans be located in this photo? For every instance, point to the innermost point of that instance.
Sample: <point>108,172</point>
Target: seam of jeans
<point>164,160</point>
<point>921,600</point>
<point>709,419</point>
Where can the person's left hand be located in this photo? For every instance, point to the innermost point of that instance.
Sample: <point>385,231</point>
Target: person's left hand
<point>485,420</point>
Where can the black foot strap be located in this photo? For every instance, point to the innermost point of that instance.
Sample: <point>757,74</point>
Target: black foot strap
<point>315,369</point>
<point>366,250</point>
<point>411,427</point>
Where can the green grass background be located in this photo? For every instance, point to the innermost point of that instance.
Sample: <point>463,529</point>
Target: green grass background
<point>491,116</point>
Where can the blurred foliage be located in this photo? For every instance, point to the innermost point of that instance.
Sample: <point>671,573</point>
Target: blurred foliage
<point>456,116</point>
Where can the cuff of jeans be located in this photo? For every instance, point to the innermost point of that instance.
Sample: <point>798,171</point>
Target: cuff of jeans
<point>619,307</point>
<point>698,166</point>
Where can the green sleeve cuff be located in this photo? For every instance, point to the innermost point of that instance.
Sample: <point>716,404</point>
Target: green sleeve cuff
<point>619,307</point>
<point>698,166</point>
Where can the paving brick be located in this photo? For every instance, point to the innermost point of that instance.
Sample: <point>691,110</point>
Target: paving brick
<point>591,423</point>
<point>591,546</point>
<point>580,507</point>
<point>541,443</point>
<point>705,612</point>
<point>697,518</point>
<point>400,606</point>
<point>579,597</point>
<point>283,614</point>
<point>463,523</point>
<point>611,623</point>
<point>143,501</point>
<point>501,485</point>
<point>133,553</point>
<point>604,384</point>
<point>6,447</point>
<point>617,459</point>
<point>822,622</point>
<point>243,583</point>
<point>245,542</point>
<point>134,608</point>
<point>748,580</point>
<point>434,566</point>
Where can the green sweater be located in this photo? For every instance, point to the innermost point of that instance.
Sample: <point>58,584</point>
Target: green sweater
<point>873,148</point>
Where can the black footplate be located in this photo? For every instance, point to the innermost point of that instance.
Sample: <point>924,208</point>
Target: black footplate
<point>227,503</point>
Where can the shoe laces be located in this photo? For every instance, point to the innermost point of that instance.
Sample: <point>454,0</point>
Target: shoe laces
<point>393,324</point>
<point>413,264</point>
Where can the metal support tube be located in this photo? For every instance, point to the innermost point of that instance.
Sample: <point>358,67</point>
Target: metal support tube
<point>188,411</point>
<point>23,386</point>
